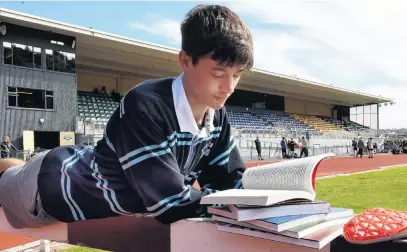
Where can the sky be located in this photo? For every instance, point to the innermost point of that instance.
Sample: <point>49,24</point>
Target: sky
<point>359,45</point>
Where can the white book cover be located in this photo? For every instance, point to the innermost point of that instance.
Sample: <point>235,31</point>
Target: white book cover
<point>314,207</point>
<point>316,240</point>
<point>287,222</point>
<point>279,224</point>
<point>295,232</point>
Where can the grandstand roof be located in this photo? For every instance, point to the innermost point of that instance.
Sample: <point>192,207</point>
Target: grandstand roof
<point>106,53</point>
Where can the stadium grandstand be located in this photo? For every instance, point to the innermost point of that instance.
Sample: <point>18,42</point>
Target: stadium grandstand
<point>60,83</point>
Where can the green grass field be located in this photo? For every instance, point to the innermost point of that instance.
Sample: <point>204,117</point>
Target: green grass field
<point>387,189</point>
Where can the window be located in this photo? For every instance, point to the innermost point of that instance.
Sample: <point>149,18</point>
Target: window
<point>373,121</point>
<point>37,58</point>
<point>57,42</point>
<point>30,98</point>
<point>60,61</point>
<point>22,55</point>
<point>8,55</point>
<point>353,118</point>
<point>12,96</point>
<point>366,120</point>
<point>49,96</point>
<point>374,108</point>
<point>365,115</point>
<point>366,109</point>
<point>49,59</point>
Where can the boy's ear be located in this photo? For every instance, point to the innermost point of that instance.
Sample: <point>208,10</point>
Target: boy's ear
<point>184,59</point>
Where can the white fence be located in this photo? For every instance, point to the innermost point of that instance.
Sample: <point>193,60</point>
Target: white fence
<point>250,153</point>
<point>280,132</point>
<point>339,142</point>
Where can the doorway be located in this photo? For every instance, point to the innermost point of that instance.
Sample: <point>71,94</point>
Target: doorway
<point>46,139</point>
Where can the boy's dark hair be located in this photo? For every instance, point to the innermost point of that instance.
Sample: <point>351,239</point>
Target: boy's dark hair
<point>217,31</point>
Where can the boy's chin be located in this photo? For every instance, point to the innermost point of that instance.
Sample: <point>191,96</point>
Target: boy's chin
<point>217,106</point>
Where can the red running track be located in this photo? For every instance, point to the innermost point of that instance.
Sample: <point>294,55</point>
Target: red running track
<point>340,165</point>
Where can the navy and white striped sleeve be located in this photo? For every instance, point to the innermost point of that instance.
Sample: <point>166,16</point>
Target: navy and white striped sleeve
<point>139,137</point>
<point>223,168</point>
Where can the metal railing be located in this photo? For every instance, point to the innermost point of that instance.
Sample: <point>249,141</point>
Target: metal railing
<point>280,132</point>
<point>23,154</point>
<point>90,127</point>
<point>250,153</point>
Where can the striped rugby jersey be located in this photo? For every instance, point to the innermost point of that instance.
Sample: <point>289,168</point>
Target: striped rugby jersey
<point>151,154</point>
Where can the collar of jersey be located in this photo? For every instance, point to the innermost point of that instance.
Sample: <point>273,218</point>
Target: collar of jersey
<point>183,110</point>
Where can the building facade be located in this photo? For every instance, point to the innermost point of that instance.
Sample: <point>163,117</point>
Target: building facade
<point>37,83</point>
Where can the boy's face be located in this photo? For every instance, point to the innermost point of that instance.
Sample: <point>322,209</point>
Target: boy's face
<point>211,82</point>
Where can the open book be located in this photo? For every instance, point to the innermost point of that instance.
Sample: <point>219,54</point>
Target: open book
<point>273,183</point>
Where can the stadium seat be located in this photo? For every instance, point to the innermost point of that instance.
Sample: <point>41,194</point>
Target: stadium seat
<point>94,108</point>
<point>348,126</point>
<point>266,122</point>
<point>316,123</point>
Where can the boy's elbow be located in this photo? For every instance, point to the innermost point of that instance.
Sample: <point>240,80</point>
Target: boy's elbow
<point>169,218</point>
<point>164,221</point>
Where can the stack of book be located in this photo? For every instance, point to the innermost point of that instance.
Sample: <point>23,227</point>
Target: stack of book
<point>278,202</point>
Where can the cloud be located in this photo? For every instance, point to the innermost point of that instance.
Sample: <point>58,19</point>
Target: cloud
<point>359,45</point>
<point>168,28</point>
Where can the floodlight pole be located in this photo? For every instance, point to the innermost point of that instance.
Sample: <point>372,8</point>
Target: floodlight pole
<point>377,105</point>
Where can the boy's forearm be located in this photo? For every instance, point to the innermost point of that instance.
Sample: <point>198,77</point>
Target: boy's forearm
<point>172,215</point>
<point>190,209</point>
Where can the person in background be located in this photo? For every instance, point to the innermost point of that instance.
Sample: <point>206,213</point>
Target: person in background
<point>361,145</point>
<point>115,95</point>
<point>5,147</point>
<point>355,147</point>
<point>291,146</point>
<point>375,147</point>
<point>370,147</point>
<point>304,147</point>
<point>283,144</point>
<point>258,148</point>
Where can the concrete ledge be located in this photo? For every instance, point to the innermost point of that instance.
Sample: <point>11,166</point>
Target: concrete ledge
<point>57,232</point>
<point>146,234</point>
<point>114,234</point>
<point>198,235</point>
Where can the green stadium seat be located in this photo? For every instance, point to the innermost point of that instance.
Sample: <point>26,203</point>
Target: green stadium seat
<point>97,107</point>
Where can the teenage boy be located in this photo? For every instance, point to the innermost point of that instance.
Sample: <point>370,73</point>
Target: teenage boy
<point>166,134</point>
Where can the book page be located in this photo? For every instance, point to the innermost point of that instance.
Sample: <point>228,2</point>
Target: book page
<point>295,174</point>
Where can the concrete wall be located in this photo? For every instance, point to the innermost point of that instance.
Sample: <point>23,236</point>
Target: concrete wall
<point>307,107</point>
<point>88,81</point>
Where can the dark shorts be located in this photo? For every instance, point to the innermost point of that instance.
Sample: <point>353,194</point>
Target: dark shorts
<point>4,155</point>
